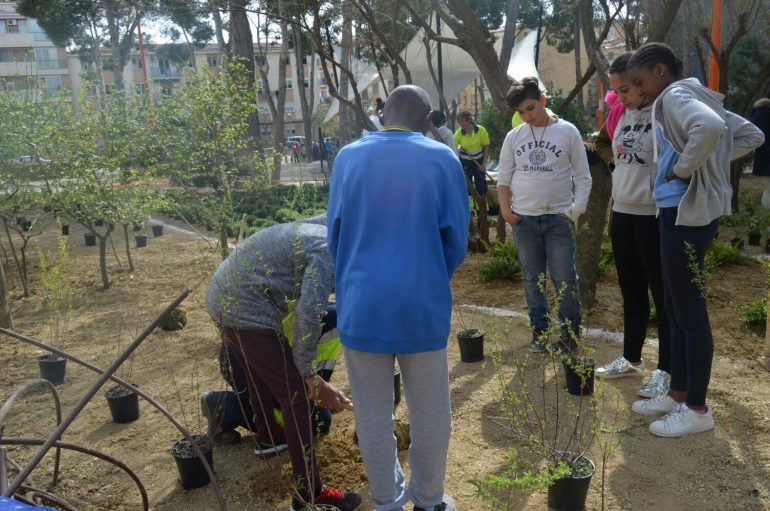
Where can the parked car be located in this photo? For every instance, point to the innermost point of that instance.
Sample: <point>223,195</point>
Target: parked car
<point>295,139</point>
<point>28,160</point>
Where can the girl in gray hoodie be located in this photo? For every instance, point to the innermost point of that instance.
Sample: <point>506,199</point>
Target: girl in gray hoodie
<point>694,140</point>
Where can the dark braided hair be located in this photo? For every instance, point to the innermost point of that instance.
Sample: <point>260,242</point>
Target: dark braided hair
<point>527,88</point>
<point>620,64</point>
<point>650,54</point>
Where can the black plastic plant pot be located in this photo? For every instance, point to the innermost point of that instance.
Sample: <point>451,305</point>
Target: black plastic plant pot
<point>52,368</point>
<point>577,385</point>
<point>191,471</point>
<point>396,387</point>
<point>737,242</point>
<point>141,241</point>
<point>90,240</point>
<point>65,229</point>
<point>124,404</point>
<point>99,222</point>
<point>471,345</point>
<point>754,238</point>
<point>157,230</point>
<point>570,493</point>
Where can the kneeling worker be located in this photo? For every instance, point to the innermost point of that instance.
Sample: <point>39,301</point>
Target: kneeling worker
<point>282,269</point>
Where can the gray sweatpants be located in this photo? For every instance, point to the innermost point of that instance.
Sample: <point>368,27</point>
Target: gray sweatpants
<point>426,388</point>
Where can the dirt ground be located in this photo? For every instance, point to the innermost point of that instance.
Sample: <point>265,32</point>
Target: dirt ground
<point>728,468</point>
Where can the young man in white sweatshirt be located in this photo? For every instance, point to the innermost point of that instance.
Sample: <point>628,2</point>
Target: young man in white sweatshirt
<point>545,182</point>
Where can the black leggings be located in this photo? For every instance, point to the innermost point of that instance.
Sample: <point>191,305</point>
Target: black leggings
<point>636,246</point>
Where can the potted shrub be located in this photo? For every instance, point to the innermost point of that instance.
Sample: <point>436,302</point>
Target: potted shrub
<point>57,292</point>
<point>469,337</point>
<point>191,471</point>
<point>553,431</point>
<point>141,240</point>
<point>157,230</point>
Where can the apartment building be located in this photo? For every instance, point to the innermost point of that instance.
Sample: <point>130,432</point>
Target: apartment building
<point>28,59</point>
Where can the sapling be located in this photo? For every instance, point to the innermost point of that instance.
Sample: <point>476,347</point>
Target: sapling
<point>57,292</point>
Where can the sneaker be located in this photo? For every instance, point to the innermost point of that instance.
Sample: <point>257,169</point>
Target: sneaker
<point>682,421</point>
<point>619,368</point>
<point>447,504</point>
<point>212,407</point>
<point>538,344</point>
<point>656,385</point>
<point>658,405</point>
<point>266,449</point>
<point>335,499</point>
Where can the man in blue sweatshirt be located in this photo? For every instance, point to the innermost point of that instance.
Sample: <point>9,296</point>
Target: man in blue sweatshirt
<point>398,219</point>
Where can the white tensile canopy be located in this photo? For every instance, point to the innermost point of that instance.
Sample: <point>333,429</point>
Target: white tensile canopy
<point>459,70</point>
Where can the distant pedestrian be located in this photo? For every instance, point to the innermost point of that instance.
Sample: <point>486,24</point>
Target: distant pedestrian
<point>438,119</point>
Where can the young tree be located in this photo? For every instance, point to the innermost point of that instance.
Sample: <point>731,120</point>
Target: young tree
<point>203,131</point>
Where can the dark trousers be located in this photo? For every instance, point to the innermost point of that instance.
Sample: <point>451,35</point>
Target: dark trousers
<point>682,253</point>
<point>477,177</point>
<point>636,247</point>
<point>273,378</point>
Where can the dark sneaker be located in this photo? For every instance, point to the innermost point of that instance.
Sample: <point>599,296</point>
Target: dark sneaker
<point>538,344</point>
<point>334,499</point>
<point>448,504</point>
<point>212,407</point>
<point>266,449</point>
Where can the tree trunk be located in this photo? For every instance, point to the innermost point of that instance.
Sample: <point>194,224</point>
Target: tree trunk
<point>224,249</point>
<point>662,17</point>
<point>590,231</point>
<point>224,52</point>
<point>242,47</point>
<point>345,49</point>
<point>103,259</point>
<point>114,34</point>
<point>578,72</point>
<point>128,249</point>
<point>279,125</point>
<point>6,320</point>
<point>509,33</point>
<point>19,266</point>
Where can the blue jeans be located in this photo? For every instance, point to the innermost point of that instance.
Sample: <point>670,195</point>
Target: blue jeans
<point>548,241</point>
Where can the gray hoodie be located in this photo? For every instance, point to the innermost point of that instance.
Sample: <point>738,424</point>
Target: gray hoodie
<point>707,137</point>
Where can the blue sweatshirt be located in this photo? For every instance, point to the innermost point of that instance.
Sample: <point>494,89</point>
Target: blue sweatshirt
<point>398,229</point>
<point>667,194</point>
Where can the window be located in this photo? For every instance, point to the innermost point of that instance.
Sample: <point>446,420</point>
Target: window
<point>164,66</point>
<point>2,27</point>
<point>46,58</point>
<point>139,89</point>
<point>5,56</point>
<point>166,90</point>
<point>289,109</point>
<point>260,60</point>
<point>212,60</point>
<point>288,83</point>
<point>109,89</point>
<point>93,91</point>
<point>136,63</point>
<point>304,59</point>
<point>23,26</point>
<point>37,31</point>
<point>51,84</point>
<point>307,84</point>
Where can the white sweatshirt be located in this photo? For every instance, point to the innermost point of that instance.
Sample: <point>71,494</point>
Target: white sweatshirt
<point>546,169</point>
<point>634,175</point>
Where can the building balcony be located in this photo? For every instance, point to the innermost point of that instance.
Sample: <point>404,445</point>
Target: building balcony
<point>166,73</point>
<point>45,68</point>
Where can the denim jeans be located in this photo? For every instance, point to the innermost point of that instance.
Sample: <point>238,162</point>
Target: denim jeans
<point>548,241</point>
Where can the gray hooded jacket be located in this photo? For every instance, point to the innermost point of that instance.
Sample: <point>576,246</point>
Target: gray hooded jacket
<point>707,137</point>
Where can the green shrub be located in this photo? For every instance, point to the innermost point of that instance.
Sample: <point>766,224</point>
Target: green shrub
<point>174,320</point>
<point>606,257</point>
<point>283,215</point>
<point>723,254</point>
<point>503,262</point>
<point>754,314</point>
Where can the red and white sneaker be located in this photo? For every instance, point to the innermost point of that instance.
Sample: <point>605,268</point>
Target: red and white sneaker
<point>329,498</point>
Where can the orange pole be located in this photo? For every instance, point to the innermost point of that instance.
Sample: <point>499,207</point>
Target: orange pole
<point>716,40</point>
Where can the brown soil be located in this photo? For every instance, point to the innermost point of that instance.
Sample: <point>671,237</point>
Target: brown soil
<point>728,468</point>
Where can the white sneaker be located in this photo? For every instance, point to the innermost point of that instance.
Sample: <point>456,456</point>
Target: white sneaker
<point>657,384</point>
<point>618,368</point>
<point>682,421</point>
<point>658,405</point>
